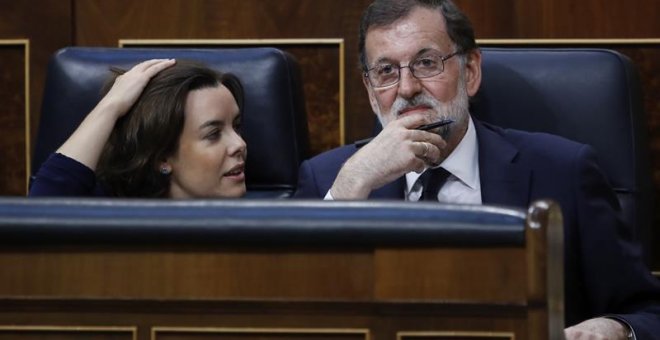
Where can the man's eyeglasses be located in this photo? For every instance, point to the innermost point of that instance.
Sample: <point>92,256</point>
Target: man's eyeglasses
<point>385,75</point>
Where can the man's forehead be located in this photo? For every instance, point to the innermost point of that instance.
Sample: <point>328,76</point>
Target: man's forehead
<point>417,18</point>
<point>421,29</point>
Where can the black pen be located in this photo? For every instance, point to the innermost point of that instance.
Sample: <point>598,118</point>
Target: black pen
<point>425,127</point>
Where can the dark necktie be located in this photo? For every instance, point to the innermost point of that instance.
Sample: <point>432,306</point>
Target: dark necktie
<point>432,180</point>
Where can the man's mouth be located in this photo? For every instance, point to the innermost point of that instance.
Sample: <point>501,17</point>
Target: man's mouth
<point>413,109</point>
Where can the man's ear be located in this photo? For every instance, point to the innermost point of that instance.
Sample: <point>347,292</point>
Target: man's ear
<point>473,72</point>
<point>372,95</point>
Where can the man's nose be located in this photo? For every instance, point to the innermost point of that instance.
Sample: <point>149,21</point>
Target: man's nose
<point>409,86</point>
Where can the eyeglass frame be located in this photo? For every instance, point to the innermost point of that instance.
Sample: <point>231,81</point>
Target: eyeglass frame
<point>412,70</point>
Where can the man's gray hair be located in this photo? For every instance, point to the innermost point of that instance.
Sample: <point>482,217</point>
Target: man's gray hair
<point>385,12</point>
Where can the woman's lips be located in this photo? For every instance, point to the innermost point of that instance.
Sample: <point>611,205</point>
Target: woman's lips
<point>237,172</point>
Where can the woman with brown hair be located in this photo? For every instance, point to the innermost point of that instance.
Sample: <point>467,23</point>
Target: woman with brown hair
<point>165,128</point>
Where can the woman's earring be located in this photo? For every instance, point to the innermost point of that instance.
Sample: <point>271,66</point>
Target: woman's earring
<point>165,170</point>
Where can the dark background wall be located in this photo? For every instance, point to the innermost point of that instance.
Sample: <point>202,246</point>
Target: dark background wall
<point>48,25</point>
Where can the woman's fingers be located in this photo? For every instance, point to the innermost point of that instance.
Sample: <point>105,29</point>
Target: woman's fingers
<point>145,65</point>
<point>158,65</point>
<point>148,68</point>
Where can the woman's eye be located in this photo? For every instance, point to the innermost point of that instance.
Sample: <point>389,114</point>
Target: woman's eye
<point>213,135</point>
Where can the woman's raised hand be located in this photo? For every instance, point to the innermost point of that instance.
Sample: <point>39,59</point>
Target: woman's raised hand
<point>86,143</point>
<point>127,87</point>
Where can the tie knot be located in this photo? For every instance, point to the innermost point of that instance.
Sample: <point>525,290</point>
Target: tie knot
<point>432,180</point>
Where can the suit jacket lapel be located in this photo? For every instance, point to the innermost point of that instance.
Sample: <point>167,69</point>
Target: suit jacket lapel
<point>504,179</point>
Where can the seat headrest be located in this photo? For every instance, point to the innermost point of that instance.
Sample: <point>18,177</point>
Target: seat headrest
<point>591,96</point>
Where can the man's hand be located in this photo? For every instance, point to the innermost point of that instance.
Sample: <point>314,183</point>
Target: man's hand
<point>397,150</point>
<point>597,329</point>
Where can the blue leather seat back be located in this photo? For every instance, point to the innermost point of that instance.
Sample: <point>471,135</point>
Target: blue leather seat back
<point>274,120</point>
<point>592,96</point>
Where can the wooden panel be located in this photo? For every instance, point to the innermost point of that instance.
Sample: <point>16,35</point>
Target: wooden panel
<point>491,18</point>
<point>212,19</point>
<point>192,319</point>
<point>58,335</point>
<point>322,73</point>
<point>647,60</point>
<point>14,117</point>
<point>392,275</point>
<point>454,274</point>
<point>180,333</point>
<point>458,335</point>
<point>587,19</point>
<point>47,25</point>
<point>189,275</point>
<point>34,332</point>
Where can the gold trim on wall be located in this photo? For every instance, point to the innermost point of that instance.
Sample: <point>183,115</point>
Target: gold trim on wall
<point>320,41</point>
<point>71,329</point>
<point>297,331</point>
<point>453,334</point>
<point>262,42</point>
<point>26,61</point>
<point>649,41</point>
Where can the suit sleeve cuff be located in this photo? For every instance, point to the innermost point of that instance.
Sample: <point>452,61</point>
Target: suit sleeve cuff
<point>629,329</point>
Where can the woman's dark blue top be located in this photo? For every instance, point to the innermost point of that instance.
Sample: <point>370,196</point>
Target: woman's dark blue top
<point>61,176</point>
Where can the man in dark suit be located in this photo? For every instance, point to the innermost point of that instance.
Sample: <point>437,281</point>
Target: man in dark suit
<point>421,64</point>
